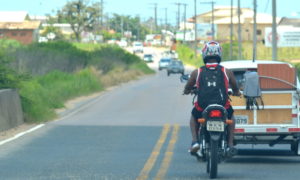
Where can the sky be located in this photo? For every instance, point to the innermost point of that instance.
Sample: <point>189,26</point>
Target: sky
<point>145,8</point>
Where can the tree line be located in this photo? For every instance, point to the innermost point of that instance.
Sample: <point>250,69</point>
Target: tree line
<point>85,16</point>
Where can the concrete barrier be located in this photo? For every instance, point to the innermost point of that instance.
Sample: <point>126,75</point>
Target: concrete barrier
<point>11,114</point>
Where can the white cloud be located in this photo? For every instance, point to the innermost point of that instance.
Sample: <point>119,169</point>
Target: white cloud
<point>294,14</point>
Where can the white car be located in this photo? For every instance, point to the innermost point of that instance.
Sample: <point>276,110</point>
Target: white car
<point>138,47</point>
<point>122,43</point>
<point>163,63</point>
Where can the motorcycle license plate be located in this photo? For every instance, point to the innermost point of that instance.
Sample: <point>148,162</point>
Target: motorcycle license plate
<point>215,126</point>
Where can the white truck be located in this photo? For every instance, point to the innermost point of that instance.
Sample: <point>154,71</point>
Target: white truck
<point>277,120</point>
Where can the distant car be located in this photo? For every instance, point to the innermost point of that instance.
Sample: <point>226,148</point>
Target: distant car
<point>175,66</point>
<point>148,58</point>
<point>122,43</point>
<point>163,63</point>
<point>138,47</point>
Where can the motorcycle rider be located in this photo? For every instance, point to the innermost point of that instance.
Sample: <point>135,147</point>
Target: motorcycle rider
<point>212,55</point>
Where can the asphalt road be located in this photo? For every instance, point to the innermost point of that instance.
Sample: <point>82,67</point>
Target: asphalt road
<point>138,130</point>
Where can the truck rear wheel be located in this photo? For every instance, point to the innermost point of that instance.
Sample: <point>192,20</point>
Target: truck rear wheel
<point>295,147</point>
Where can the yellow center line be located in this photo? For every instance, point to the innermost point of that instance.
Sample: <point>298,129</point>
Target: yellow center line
<point>168,154</point>
<point>156,150</point>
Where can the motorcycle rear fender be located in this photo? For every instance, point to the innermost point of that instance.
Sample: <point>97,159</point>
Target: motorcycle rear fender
<point>215,135</point>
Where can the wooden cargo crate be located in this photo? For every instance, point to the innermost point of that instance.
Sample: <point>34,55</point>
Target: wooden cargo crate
<point>280,71</point>
<point>274,116</point>
<point>267,116</point>
<point>269,99</point>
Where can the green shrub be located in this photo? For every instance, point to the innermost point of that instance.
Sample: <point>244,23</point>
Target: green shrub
<point>42,95</point>
<point>226,51</point>
<point>9,45</point>
<point>187,55</point>
<point>9,78</point>
<point>41,58</point>
<point>141,66</point>
<point>60,71</point>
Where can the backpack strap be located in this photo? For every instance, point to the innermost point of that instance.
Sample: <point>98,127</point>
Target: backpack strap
<point>198,76</point>
<point>226,79</point>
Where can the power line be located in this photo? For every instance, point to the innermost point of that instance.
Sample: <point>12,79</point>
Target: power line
<point>267,5</point>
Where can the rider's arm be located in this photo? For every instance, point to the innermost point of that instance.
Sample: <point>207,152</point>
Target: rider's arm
<point>191,82</point>
<point>232,82</point>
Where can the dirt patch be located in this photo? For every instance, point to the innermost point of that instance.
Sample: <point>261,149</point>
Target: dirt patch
<point>295,61</point>
<point>72,103</point>
<point>12,132</point>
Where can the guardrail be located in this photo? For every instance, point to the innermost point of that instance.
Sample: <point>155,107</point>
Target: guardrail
<point>11,114</point>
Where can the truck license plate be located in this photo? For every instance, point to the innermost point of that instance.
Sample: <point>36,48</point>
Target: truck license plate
<point>241,119</point>
<point>215,126</point>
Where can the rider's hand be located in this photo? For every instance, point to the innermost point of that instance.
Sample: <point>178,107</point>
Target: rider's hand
<point>186,92</point>
<point>237,94</point>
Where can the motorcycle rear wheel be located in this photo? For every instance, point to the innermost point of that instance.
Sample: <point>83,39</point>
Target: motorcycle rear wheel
<point>212,161</point>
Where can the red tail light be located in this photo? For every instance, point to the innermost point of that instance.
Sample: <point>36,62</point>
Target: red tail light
<point>215,113</point>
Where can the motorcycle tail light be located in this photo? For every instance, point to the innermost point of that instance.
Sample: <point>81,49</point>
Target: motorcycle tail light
<point>215,113</point>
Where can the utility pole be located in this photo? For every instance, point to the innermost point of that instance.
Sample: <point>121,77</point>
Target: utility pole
<point>231,29</point>
<point>102,9</point>
<point>195,26</point>
<point>155,17</point>
<point>122,26</point>
<point>178,15</point>
<point>212,18</point>
<point>166,19</point>
<point>254,30</point>
<point>184,21</point>
<point>239,30</point>
<point>274,31</point>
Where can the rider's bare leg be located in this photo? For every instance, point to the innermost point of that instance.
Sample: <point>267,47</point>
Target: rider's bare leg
<point>194,129</point>
<point>231,128</point>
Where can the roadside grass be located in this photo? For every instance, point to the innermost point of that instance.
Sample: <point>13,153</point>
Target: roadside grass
<point>49,74</point>
<point>42,95</point>
<point>187,55</point>
<point>265,53</point>
<point>288,54</point>
<point>87,46</point>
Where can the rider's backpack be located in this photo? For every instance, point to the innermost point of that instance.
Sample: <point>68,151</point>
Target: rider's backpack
<point>212,86</point>
<point>252,90</point>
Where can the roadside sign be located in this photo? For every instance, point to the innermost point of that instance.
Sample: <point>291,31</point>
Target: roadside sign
<point>286,37</point>
<point>204,31</point>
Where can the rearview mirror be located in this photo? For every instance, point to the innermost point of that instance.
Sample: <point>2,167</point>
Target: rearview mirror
<point>184,78</point>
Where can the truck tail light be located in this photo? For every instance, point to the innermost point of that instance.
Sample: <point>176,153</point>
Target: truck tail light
<point>239,130</point>
<point>294,129</point>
